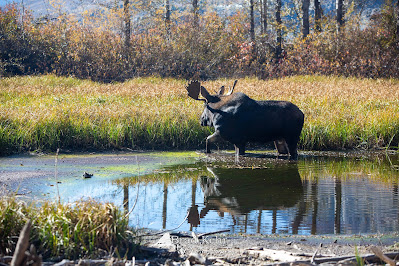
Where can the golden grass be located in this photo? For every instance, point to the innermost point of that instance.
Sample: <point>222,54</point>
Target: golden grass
<point>47,112</point>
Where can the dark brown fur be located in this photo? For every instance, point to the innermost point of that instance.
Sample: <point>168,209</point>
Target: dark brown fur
<point>240,119</point>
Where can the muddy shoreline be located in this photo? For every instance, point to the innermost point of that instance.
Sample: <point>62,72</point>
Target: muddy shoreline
<point>255,249</point>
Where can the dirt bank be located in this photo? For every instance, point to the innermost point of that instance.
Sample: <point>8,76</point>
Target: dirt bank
<point>263,249</point>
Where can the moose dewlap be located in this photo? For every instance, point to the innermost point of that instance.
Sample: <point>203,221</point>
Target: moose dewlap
<point>240,119</point>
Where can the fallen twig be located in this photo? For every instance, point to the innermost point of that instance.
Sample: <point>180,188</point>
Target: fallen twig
<point>213,233</point>
<point>315,253</point>
<point>382,256</point>
<point>22,245</point>
<point>200,235</point>
<point>341,259</point>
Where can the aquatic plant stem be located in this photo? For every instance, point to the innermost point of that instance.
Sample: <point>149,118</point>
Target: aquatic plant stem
<point>138,190</point>
<point>56,175</point>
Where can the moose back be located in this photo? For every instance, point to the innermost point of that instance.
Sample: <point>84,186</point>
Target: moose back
<point>240,119</point>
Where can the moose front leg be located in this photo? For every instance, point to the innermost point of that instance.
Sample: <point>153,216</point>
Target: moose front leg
<point>212,138</point>
<point>240,149</point>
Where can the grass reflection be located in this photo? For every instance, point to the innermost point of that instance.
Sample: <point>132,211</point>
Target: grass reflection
<point>379,167</point>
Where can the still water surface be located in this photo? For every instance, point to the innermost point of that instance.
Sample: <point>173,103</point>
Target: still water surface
<point>319,194</point>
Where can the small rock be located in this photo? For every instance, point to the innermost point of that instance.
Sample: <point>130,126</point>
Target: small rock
<point>64,262</point>
<point>195,258</point>
<point>87,175</point>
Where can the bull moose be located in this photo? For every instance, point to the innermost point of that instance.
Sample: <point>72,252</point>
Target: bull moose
<point>239,119</point>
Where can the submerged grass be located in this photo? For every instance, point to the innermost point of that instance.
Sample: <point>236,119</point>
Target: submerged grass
<point>82,229</point>
<point>49,112</point>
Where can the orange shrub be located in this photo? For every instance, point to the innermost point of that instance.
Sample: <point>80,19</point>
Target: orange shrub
<point>93,47</point>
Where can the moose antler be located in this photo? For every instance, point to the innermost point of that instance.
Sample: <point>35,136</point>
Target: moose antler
<point>193,89</point>
<point>232,89</point>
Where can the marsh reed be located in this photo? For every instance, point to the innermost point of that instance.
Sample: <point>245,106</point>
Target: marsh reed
<point>49,112</point>
<point>66,230</point>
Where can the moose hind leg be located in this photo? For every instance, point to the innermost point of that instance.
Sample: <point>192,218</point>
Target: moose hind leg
<point>281,146</point>
<point>211,138</point>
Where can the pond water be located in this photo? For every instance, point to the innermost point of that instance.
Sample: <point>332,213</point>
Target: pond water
<point>320,194</point>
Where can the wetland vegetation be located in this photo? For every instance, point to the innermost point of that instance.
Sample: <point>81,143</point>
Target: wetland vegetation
<point>49,112</point>
<point>80,229</point>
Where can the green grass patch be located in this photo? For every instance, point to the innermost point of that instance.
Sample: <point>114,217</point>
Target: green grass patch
<point>50,112</point>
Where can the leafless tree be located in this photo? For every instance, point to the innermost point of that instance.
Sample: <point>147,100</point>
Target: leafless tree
<point>305,18</point>
<point>340,14</point>
<point>252,21</point>
<point>195,12</point>
<point>127,24</point>
<point>279,30</point>
<point>397,21</point>
<point>167,17</point>
<point>264,9</point>
<point>317,15</point>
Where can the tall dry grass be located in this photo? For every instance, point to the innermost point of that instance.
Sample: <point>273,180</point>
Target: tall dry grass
<point>75,230</point>
<point>49,112</point>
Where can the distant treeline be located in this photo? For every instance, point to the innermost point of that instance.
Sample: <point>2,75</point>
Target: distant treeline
<point>205,46</point>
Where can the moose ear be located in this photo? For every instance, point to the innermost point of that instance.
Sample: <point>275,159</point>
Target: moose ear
<point>205,93</point>
<point>221,91</point>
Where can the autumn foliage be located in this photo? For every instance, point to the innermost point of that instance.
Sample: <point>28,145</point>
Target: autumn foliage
<point>93,47</point>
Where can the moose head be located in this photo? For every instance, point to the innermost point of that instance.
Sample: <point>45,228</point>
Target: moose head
<point>194,88</point>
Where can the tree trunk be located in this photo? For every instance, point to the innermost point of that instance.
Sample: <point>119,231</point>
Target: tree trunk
<point>264,16</point>
<point>195,12</point>
<point>305,18</point>
<point>252,29</point>
<point>127,31</point>
<point>317,15</point>
<point>397,21</point>
<point>262,30</point>
<point>252,21</point>
<point>279,47</point>
<point>340,14</point>
<point>167,17</point>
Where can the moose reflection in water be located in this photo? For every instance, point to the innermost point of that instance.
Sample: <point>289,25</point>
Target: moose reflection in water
<point>239,191</point>
<point>314,196</point>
